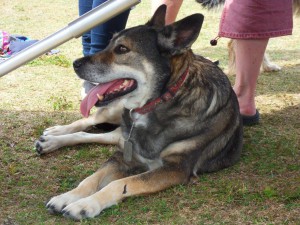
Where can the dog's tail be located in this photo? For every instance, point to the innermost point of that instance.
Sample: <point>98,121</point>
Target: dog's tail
<point>296,7</point>
<point>211,4</point>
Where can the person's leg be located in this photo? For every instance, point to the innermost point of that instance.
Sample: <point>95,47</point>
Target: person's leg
<point>173,7</point>
<point>85,6</point>
<point>101,35</point>
<point>249,55</point>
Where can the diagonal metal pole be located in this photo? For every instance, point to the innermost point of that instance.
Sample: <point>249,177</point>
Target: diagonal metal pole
<point>74,29</point>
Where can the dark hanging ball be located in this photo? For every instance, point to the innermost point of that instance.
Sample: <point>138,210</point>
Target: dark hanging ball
<point>213,42</point>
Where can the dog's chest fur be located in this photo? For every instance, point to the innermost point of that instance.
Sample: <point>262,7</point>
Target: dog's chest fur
<point>180,118</point>
<point>138,130</point>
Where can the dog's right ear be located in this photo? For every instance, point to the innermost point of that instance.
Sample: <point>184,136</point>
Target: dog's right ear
<point>158,18</point>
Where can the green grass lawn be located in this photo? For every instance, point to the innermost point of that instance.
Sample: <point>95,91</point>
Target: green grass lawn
<point>263,188</point>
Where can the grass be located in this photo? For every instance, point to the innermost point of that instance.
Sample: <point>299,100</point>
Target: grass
<point>263,188</point>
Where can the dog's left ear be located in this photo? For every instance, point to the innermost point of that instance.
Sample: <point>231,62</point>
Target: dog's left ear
<point>178,37</point>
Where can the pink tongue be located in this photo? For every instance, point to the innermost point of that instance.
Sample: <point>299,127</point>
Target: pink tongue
<point>91,98</point>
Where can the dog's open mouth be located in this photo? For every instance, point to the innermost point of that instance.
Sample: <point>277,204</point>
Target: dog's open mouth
<point>102,94</point>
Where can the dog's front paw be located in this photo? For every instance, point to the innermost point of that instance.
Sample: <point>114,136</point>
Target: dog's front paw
<point>47,144</point>
<point>58,203</point>
<point>84,208</point>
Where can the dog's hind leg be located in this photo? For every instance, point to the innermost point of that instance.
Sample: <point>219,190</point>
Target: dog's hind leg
<point>102,115</point>
<point>49,143</point>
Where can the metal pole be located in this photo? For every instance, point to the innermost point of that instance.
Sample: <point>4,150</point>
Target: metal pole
<point>74,29</point>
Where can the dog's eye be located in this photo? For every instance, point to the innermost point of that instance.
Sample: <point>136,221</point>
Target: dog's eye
<point>121,49</point>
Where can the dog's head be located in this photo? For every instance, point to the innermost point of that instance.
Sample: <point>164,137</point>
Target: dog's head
<point>136,63</point>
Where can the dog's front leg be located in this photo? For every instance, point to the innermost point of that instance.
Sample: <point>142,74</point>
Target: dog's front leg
<point>110,114</point>
<point>76,126</point>
<point>59,136</point>
<point>107,173</point>
<point>145,183</point>
<point>49,143</point>
<point>268,66</point>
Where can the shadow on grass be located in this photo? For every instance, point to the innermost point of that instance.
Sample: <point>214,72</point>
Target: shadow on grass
<point>276,125</point>
<point>271,149</point>
<point>270,161</point>
<point>287,80</point>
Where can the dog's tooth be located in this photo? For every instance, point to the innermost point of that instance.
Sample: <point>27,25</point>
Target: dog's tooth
<point>100,97</point>
<point>125,82</point>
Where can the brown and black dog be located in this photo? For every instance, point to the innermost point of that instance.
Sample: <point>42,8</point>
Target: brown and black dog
<point>177,112</point>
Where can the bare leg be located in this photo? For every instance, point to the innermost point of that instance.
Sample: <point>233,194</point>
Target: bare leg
<point>267,65</point>
<point>173,7</point>
<point>249,55</point>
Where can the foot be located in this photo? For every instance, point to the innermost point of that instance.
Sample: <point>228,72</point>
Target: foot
<point>251,120</point>
<point>246,101</point>
<point>247,106</point>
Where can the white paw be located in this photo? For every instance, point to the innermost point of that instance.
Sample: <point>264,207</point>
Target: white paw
<point>84,208</point>
<point>271,67</point>
<point>47,144</point>
<point>58,203</point>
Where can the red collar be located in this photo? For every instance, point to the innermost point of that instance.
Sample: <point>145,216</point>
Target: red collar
<point>169,94</point>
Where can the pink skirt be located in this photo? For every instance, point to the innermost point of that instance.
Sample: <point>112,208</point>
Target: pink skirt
<point>256,19</point>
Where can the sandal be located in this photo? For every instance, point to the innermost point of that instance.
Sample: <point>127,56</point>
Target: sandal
<point>251,120</point>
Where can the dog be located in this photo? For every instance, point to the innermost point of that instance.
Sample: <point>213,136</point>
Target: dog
<point>267,64</point>
<point>178,116</point>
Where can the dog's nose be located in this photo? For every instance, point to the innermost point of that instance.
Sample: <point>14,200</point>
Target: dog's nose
<point>77,64</point>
